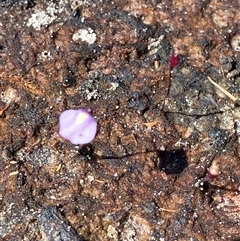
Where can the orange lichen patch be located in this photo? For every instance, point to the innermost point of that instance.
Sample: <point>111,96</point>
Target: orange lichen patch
<point>32,87</point>
<point>24,83</point>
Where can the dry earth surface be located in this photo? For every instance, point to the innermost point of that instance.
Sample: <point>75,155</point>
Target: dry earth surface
<point>145,176</point>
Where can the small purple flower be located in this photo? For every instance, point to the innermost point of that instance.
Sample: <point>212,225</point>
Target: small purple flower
<point>77,126</point>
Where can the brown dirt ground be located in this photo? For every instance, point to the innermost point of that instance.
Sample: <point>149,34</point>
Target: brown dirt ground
<point>145,175</point>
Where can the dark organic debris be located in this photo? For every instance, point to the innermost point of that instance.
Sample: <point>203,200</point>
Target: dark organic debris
<point>139,102</point>
<point>54,227</point>
<point>173,162</point>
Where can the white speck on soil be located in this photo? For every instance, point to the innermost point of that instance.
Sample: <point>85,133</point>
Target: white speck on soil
<point>87,35</point>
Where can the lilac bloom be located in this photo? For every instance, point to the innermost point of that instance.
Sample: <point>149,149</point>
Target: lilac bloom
<point>77,126</point>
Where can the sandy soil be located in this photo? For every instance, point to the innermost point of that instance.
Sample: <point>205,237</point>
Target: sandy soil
<point>146,176</point>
